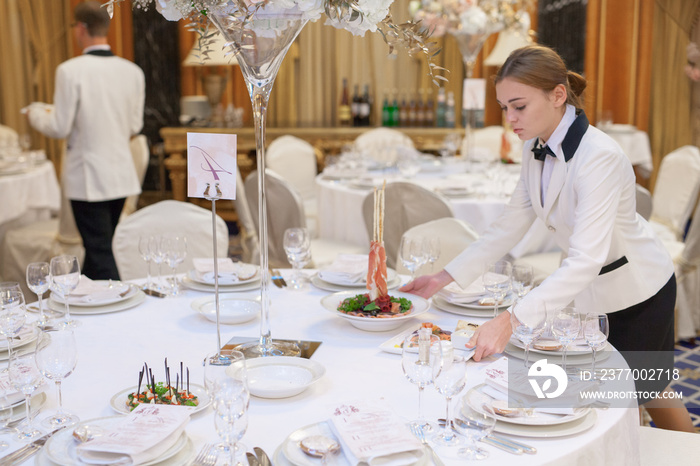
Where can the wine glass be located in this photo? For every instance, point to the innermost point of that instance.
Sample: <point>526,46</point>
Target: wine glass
<point>38,280</point>
<point>475,420</point>
<point>413,253</point>
<point>527,332</point>
<point>155,250</point>
<point>596,330</point>
<point>496,279</point>
<point>175,248</point>
<point>13,314</point>
<point>433,251</point>
<point>56,356</point>
<point>25,142</point>
<point>449,382</point>
<point>217,367</point>
<point>297,245</point>
<point>65,276</point>
<point>522,279</point>
<point>566,326</point>
<point>25,377</point>
<point>421,358</point>
<point>145,252</point>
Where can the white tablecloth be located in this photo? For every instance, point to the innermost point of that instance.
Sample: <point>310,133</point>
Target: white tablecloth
<point>35,189</point>
<point>634,143</point>
<point>113,348</point>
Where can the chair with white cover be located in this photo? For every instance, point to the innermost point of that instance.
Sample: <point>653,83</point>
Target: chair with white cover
<point>8,137</point>
<point>661,446</point>
<point>383,145</point>
<point>285,209</point>
<point>406,205</point>
<point>295,160</point>
<point>454,234</point>
<point>247,230</point>
<point>176,217</point>
<point>644,201</point>
<point>675,192</point>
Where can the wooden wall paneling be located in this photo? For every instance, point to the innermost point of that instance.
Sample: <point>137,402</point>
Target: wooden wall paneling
<point>592,60</point>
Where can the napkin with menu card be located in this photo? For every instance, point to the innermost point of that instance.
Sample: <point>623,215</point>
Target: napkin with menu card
<point>370,432</point>
<point>144,435</point>
<point>346,269</point>
<point>89,291</point>
<point>229,272</point>
<point>455,294</point>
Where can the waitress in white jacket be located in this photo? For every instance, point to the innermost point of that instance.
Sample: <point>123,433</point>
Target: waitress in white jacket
<point>578,181</point>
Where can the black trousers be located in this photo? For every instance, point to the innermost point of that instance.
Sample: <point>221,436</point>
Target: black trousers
<point>96,222</point>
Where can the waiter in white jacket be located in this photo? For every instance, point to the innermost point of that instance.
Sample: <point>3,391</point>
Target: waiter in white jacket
<point>577,180</point>
<point>98,106</point>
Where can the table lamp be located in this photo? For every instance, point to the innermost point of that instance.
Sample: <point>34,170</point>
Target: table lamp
<point>214,54</point>
<point>513,37</point>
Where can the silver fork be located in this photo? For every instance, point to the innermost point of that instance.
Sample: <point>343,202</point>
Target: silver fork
<point>202,457</point>
<point>418,432</point>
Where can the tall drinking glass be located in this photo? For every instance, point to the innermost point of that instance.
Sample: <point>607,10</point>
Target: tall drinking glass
<point>145,252</point>
<point>527,333</point>
<point>156,252</point>
<point>421,359</point>
<point>65,277</point>
<point>297,245</point>
<point>496,279</point>
<point>175,248</point>
<point>56,356</point>
<point>596,330</point>
<point>38,280</point>
<point>413,253</point>
<point>449,382</point>
<point>566,326</point>
<point>475,420</point>
<point>13,314</point>
<point>25,377</point>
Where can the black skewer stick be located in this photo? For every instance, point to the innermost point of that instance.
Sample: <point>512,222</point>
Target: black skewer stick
<point>138,389</point>
<point>182,376</point>
<point>188,381</point>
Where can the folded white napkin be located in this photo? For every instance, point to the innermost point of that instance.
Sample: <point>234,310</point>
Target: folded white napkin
<point>144,434</point>
<point>230,272</point>
<point>371,433</point>
<point>346,269</point>
<point>89,291</point>
<point>206,264</point>
<point>8,390</point>
<point>455,294</point>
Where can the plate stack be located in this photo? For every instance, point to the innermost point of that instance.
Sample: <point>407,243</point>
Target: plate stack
<point>97,297</point>
<point>473,301</point>
<point>233,276</point>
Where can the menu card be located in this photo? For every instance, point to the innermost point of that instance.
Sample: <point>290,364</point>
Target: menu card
<point>144,434</point>
<point>369,430</point>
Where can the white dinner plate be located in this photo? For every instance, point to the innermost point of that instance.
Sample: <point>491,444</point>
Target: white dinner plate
<point>192,285</point>
<point>373,324</point>
<point>119,400</point>
<point>366,183</point>
<point>18,410</point>
<point>232,310</point>
<point>571,359</point>
<point>61,447</point>
<point>227,281</point>
<point>558,430</point>
<point>77,301</point>
<point>454,191</point>
<point>394,344</point>
<point>327,286</point>
<point>134,301</point>
<point>442,305</point>
<point>534,418</point>
<point>281,376</point>
<point>575,348</point>
<point>27,334</point>
<point>391,276</point>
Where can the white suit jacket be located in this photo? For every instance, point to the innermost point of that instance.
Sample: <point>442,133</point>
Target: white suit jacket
<point>98,106</point>
<point>613,261</point>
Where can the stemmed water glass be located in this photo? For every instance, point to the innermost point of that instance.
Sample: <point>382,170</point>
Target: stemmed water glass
<point>56,356</point>
<point>65,277</point>
<point>38,280</point>
<point>475,420</point>
<point>175,250</point>
<point>596,330</point>
<point>566,326</point>
<point>421,360</point>
<point>522,279</point>
<point>25,377</point>
<point>527,333</point>
<point>297,245</point>
<point>449,382</point>
<point>433,251</point>
<point>13,313</point>
<point>496,279</point>
<point>145,252</point>
<point>413,254</point>
<point>155,250</point>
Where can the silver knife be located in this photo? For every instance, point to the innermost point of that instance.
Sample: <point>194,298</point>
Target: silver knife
<point>510,449</point>
<point>27,451</point>
<point>263,459</point>
<point>525,448</point>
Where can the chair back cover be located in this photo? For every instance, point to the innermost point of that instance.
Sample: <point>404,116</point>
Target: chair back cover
<point>676,188</point>
<point>383,145</point>
<point>181,218</point>
<point>454,234</point>
<point>294,160</point>
<point>406,205</point>
<point>247,229</point>
<point>141,155</point>
<point>644,202</point>
<point>688,282</point>
<point>8,137</point>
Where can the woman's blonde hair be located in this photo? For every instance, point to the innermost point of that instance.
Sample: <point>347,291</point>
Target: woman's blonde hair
<point>542,68</point>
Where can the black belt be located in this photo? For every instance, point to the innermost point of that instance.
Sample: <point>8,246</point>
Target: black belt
<point>613,265</point>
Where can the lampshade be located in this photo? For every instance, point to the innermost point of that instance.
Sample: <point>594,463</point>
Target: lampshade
<point>510,39</point>
<point>218,55</point>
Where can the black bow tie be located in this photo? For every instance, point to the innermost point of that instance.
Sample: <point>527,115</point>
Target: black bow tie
<point>542,151</point>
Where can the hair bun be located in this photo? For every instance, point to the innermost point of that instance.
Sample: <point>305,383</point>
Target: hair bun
<point>577,83</point>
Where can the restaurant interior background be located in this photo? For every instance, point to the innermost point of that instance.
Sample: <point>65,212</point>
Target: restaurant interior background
<point>632,52</point>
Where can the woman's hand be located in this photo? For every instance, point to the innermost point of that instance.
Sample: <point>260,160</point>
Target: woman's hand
<point>427,285</point>
<point>491,337</point>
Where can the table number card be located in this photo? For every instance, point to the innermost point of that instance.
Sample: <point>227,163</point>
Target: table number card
<point>474,94</point>
<point>211,159</point>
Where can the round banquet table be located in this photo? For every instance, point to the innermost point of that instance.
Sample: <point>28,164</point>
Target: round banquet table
<point>490,185</point>
<point>113,348</point>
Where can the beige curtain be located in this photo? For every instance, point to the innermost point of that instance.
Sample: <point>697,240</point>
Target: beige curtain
<point>35,39</point>
<point>671,125</point>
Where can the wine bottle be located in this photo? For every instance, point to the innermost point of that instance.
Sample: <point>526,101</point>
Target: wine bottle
<point>365,107</point>
<point>395,109</point>
<point>344,111</point>
<point>440,112</point>
<point>355,107</point>
<point>450,117</point>
<point>386,112</point>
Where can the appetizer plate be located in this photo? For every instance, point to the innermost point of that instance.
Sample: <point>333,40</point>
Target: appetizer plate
<point>232,310</point>
<point>129,291</point>
<point>442,305</point>
<point>534,417</point>
<point>391,276</point>
<point>281,376</point>
<point>227,279</point>
<point>392,283</point>
<point>572,359</point>
<point>373,324</point>
<point>118,401</point>
<point>395,343</point>
<point>61,447</point>
<point>135,300</point>
<point>192,285</point>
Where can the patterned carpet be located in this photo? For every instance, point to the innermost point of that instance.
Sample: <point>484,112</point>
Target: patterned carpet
<point>688,364</point>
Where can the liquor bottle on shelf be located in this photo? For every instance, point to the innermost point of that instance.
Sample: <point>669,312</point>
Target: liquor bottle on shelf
<point>344,111</point>
<point>403,113</point>
<point>450,110</point>
<point>420,108</point>
<point>365,107</point>
<point>412,113</point>
<point>355,106</point>
<point>441,107</point>
<point>386,111</point>
<point>395,109</point>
